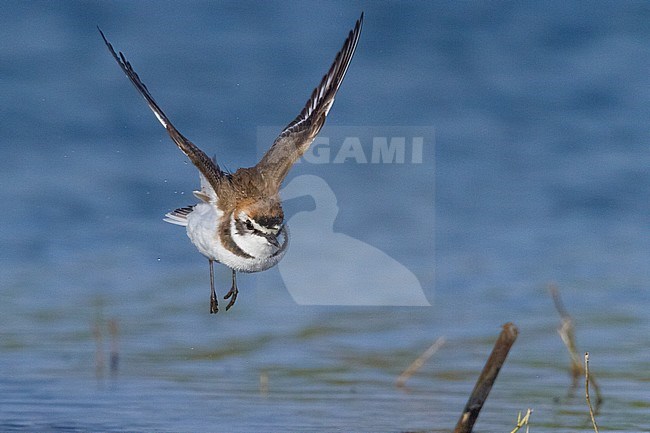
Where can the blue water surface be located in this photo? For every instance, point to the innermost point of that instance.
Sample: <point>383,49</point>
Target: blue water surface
<point>538,174</point>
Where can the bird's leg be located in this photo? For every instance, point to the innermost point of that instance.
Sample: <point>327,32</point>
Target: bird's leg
<point>214,304</point>
<point>233,291</point>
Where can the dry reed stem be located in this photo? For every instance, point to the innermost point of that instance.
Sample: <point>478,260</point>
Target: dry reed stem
<point>567,334</point>
<point>485,381</point>
<point>419,362</point>
<point>113,329</point>
<point>522,421</point>
<point>264,383</point>
<point>99,350</point>
<point>591,409</point>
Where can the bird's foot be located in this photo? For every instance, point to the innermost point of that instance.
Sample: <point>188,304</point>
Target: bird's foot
<point>214,304</point>
<point>232,293</point>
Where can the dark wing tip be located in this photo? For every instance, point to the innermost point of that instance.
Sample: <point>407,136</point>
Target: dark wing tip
<point>101,33</point>
<point>109,45</point>
<point>326,90</point>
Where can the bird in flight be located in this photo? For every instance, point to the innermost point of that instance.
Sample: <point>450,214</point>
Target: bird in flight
<point>239,221</point>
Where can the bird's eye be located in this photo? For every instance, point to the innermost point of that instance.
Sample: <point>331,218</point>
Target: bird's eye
<point>249,225</point>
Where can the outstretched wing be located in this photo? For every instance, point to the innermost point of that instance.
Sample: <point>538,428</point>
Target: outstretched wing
<point>295,139</point>
<point>206,166</point>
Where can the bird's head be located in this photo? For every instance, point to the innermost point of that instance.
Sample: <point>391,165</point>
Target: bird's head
<point>261,223</point>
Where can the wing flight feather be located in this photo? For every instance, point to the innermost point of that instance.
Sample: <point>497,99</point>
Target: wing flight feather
<point>298,135</point>
<point>203,162</point>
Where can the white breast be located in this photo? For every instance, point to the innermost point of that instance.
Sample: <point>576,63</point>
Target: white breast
<point>203,232</point>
